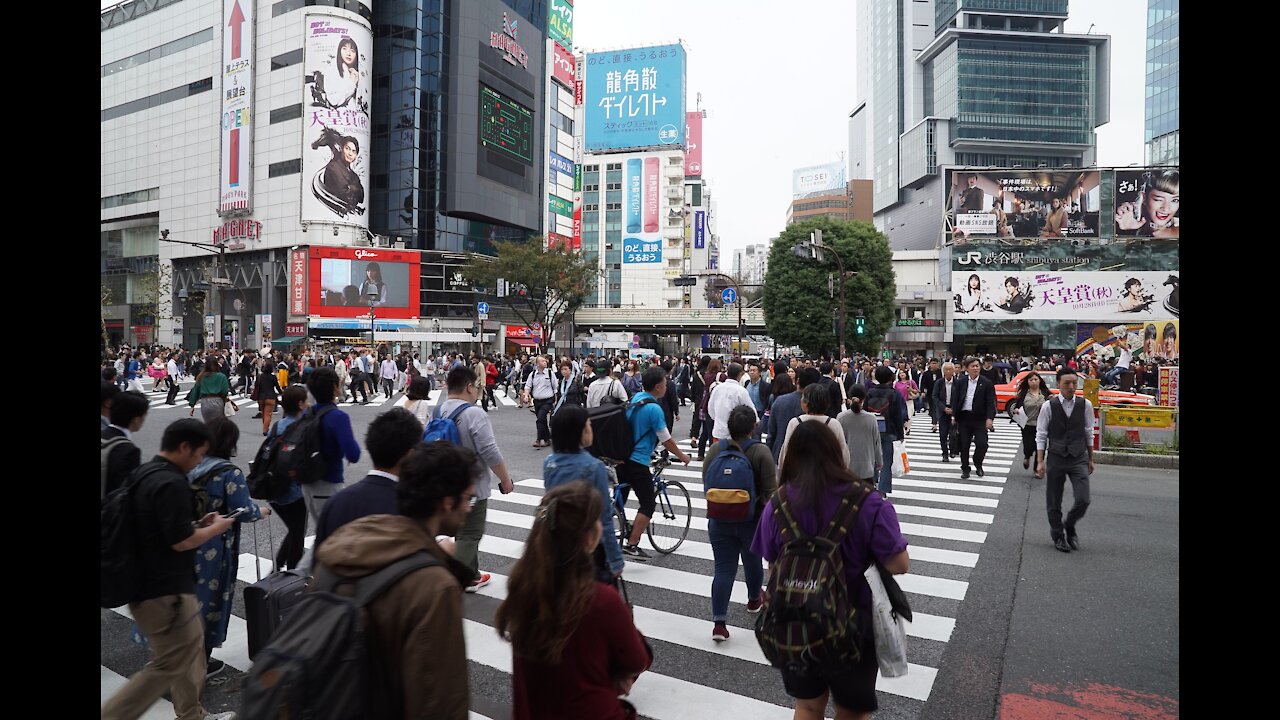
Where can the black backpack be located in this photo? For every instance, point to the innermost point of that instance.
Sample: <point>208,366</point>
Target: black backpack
<point>297,456</point>
<point>808,621</point>
<point>879,402</point>
<point>323,662</point>
<point>263,483</point>
<point>121,580</point>
<point>613,438</point>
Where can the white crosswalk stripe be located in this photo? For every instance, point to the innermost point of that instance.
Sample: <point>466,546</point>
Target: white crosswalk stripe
<point>944,518</point>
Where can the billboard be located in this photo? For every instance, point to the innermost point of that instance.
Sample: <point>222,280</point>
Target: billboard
<point>1147,203</point>
<point>1103,340</point>
<point>338,52</point>
<point>700,229</point>
<point>505,126</point>
<point>562,66</point>
<point>1022,203</point>
<point>235,184</point>
<point>818,178</point>
<point>560,22</point>
<point>641,238</point>
<point>1002,255</point>
<point>342,278</point>
<point>1119,296</point>
<point>297,282</point>
<point>560,206</point>
<point>560,162</point>
<point>693,153</point>
<point>635,98</point>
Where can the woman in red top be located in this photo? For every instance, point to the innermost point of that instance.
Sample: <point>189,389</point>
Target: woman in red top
<point>574,645</point>
<point>491,379</point>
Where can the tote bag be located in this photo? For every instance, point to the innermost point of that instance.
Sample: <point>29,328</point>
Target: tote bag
<point>890,629</point>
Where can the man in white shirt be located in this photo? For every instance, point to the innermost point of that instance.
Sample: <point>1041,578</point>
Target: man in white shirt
<point>604,387</point>
<point>725,397</point>
<point>542,390</point>
<point>1112,376</point>
<point>1064,446</point>
<point>172,379</point>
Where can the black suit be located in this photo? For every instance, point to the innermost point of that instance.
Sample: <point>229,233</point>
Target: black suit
<point>123,459</point>
<point>836,402</point>
<point>938,394</point>
<point>973,425</point>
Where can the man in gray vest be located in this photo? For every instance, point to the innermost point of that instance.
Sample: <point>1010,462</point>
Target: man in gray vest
<point>1066,428</point>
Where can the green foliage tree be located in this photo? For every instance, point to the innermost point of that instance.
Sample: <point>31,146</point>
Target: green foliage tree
<point>548,284</point>
<point>800,309</point>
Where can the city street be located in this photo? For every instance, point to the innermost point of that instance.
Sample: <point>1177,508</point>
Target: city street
<point>975,546</point>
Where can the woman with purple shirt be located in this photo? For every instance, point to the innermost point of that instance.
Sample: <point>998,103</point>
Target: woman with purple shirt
<point>815,480</point>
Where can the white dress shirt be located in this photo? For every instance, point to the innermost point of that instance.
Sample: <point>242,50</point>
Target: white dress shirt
<point>972,390</point>
<point>1068,407</point>
<point>724,398</point>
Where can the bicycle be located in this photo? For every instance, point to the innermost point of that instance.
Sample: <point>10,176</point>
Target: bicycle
<point>669,525</point>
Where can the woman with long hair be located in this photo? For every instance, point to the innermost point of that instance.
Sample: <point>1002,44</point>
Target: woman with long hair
<point>814,401</point>
<point>909,391</point>
<point>861,436</point>
<point>710,379</point>
<point>574,647</point>
<point>1031,396</point>
<point>211,391</point>
<point>570,434</point>
<point>373,284</point>
<point>814,483</point>
<point>971,300</point>
<point>696,389</point>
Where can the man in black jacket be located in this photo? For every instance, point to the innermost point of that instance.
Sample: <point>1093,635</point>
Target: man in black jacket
<point>128,413</point>
<point>927,380</point>
<point>832,384</point>
<point>973,403</point>
<point>940,396</point>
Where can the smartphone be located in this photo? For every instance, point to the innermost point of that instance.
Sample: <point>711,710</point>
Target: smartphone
<point>237,513</point>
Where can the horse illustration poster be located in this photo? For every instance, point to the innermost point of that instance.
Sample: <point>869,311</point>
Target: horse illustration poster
<point>1093,296</point>
<point>335,129</point>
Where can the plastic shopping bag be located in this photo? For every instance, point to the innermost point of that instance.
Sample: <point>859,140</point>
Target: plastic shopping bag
<point>890,629</point>
<point>1020,416</point>
<point>901,465</point>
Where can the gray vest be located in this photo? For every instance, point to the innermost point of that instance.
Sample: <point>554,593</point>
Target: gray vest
<point>1066,435</point>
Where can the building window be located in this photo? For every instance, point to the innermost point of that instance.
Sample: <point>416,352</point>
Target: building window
<point>288,167</point>
<point>285,6</point>
<point>158,99</point>
<point>158,52</point>
<point>284,60</point>
<point>131,198</point>
<point>288,112</point>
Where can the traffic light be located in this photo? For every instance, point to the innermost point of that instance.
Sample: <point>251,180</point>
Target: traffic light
<point>861,326</point>
<point>475,330</point>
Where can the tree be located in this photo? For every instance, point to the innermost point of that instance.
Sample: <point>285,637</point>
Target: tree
<point>798,307</point>
<point>547,285</point>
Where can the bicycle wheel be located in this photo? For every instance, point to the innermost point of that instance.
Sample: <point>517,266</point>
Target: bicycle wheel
<point>622,529</point>
<point>670,523</point>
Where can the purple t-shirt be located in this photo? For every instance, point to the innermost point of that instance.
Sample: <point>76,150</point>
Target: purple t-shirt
<point>875,532</point>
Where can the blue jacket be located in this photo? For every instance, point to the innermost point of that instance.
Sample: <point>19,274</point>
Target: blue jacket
<point>337,441</point>
<point>374,495</point>
<point>784,408</point>
<point>561,468</point>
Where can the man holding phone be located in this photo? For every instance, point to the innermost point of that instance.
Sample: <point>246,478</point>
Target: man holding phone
<point>166,609</point>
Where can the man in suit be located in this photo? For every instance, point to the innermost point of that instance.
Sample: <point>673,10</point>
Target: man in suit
<point>829,381</point>
<point>973,403</point>
<point>389,439</point>
<point>927,380</point>
<point>940,397</point>
<point>128,412</point>
<point>786,407</point>
<point>1064,446</point>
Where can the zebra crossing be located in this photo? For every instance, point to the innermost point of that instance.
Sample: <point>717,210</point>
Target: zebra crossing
<point>944,518</point>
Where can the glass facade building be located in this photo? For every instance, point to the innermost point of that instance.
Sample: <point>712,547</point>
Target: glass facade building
<point>1161,127</point>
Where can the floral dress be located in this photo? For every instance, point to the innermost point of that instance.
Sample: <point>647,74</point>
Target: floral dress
<point>218,559</point>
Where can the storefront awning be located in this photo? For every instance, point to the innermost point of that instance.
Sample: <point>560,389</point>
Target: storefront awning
<point>288,340</point>
<point>524,342</point>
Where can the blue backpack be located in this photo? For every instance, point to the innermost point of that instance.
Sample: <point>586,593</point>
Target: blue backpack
<point>730,484</point>
<point>444,429</point>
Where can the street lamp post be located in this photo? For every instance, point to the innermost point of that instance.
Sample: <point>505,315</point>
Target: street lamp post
<point>812,250</point>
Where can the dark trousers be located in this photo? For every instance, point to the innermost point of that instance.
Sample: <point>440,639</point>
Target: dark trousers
<point>695,427</point>
<point>358,386</point>
<point>173,392</point>
<point>1057,471</point>
<point>973,429</point>
<point>543,409</point>
<point>294,516</point>
<point>945,422</point>
<point>928,405</point>
<point>388,386</point>
<point>707,426</point>
<point>1028,441</point>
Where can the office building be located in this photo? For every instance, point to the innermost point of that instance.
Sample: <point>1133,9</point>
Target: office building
<point>1161,127</point>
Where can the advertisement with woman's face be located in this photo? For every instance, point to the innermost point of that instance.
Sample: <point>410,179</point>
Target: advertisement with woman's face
<point>359,283</point>
<point>336,72</point>
<point>1147,203</point>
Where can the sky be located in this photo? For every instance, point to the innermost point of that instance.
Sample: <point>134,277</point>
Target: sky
<point>777,83</point>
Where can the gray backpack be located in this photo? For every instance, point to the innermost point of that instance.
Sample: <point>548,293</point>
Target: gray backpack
<point>324,662</point>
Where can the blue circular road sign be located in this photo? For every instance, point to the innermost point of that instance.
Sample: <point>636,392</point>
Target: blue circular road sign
<point>482,307</point>
<point>729,296</point>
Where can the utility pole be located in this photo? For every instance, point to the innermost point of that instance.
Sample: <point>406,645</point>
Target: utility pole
<point>215,279</point>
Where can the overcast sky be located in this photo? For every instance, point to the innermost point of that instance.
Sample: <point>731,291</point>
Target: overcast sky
<point>777,83</point>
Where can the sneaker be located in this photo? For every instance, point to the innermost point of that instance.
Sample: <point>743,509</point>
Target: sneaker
<point>635,553</point>
<point>479,582</point>
<point>229,715</point>
<point>756,605</point>
<point>213,667</point>
<point>720,632</point>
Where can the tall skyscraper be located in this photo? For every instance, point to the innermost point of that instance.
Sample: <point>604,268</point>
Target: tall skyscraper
<point>1161,131</point>
<point>968,82</point>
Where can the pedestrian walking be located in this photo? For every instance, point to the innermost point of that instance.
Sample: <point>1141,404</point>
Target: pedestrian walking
<point>813,404</point>
<point>1030,399</point>
<point>570,433</point>
<point>211,391</point>
<point>943,413</point>
<point>973,403</point>
<point>861,436</point>
<point>1064,450</point>
<point>891,417</point>
<point>541,389</point>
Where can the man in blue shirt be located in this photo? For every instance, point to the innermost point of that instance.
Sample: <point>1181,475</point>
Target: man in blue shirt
<point>337,441</point>
<point>648,428</point>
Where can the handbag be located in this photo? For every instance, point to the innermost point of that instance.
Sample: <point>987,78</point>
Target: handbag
<point>901,464</point>
<point>228,409</point>
<point>888,624</point>
<point>953,438</point>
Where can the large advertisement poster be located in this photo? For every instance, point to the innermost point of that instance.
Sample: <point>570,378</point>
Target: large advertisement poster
<point>1022,203</point>
<point>562,66</point>
<point>635,98</point>
<point>641,239</point>
<point>235,193</point>
<point>338,51</point>
<point>1147,203</point>
<point>1102,296</point>
<point>693,153</point>
<point>997,255</point>
<point>297,283</point>
<point>827,177</point>
<point>1144,340</point>
<point>560,21</point>
<point>344,279</point>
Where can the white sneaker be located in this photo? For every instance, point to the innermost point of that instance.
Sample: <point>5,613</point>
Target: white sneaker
<point>229,715</point>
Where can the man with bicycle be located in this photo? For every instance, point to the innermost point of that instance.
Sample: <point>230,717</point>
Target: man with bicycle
<point>648,428</point>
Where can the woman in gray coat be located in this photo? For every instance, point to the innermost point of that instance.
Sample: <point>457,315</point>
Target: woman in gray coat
<point>862,435</point>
